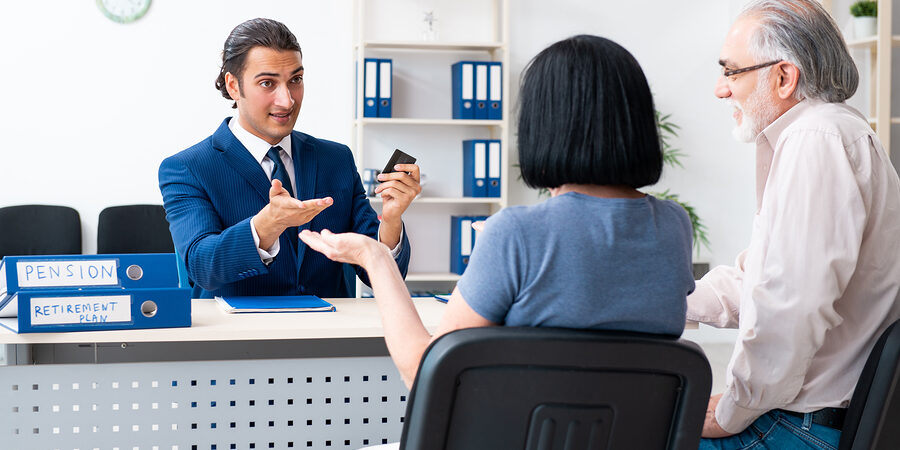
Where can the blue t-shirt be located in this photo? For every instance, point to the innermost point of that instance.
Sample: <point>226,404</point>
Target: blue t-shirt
<point>578,261</point>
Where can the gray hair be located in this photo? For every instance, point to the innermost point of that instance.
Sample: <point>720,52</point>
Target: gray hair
<point>803,33</point>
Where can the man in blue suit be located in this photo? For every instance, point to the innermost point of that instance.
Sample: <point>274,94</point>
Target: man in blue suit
<point>236,201</point>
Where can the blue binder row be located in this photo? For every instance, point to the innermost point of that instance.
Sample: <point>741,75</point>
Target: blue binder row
<point>481,168</point>
<point>92,292</point>
<point>477,90</point>
<point>377,87</point>
<point>462,241</point>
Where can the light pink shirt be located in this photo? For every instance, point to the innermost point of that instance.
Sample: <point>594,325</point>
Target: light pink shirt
<point>820,280</point>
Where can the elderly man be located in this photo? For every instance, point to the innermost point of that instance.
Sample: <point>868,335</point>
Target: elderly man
<point>820,279</point>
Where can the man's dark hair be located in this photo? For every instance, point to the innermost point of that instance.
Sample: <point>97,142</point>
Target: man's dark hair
<point>252,33</point>
<point>586,117</point>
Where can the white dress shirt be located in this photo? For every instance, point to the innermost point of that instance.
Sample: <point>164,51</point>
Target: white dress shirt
<point>258,148</point>
<point>820,280</point>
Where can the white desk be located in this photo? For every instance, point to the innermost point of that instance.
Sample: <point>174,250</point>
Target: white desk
<point>354,318</point>
<point>274,380</point>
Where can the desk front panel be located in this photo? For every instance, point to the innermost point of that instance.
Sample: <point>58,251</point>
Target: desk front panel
<point>319,403</point>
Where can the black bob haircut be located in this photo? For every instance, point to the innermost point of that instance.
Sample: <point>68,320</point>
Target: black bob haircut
<point>244,37</point>
<point>586,116</point>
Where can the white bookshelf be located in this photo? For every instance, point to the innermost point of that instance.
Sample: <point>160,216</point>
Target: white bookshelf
<point>422,123</point>
<point>878,72</point>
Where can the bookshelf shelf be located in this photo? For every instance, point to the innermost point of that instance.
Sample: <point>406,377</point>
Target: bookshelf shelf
<point>426,122</point>
<point>434,46</point>
<point>449,200</point>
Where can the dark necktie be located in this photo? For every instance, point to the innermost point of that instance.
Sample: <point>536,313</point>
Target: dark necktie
<point>279,172</point>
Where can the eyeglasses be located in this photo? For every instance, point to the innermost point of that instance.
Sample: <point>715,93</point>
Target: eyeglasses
<point>733,72</point>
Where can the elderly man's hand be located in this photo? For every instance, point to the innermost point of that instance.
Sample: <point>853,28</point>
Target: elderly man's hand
<point>711,428</point>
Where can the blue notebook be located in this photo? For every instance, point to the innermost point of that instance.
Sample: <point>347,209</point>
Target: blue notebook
<point>288,303</point>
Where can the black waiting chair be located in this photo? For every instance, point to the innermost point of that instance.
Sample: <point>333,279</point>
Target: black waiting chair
<point>39,230</point>
<point>134,229</point>
<point>871,421</point>
<point>544,388</point>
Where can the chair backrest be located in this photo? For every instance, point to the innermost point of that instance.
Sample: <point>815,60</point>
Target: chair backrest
<point>544,388</point>
<point>134,229</point>
<point>871,421</point>
<point>39,230</point>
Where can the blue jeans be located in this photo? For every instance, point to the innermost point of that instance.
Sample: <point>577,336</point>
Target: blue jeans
<point>776,430</point>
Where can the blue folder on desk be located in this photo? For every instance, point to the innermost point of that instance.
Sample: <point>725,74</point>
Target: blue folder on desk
<point>58,310</point>
<point>287,303</point>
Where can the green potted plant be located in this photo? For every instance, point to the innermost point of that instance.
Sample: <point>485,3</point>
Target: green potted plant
<point>672,157</point>
<point>864,18</point>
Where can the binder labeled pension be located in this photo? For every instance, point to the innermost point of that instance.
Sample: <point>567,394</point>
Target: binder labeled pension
<point>92,292</point>
<point>146,270</point>
<point>462,241</point>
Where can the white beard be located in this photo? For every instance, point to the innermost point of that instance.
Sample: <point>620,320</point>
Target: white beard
<point>756,114</point>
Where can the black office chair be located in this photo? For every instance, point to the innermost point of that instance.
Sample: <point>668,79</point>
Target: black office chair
<point>134,229</point>
<point>871,421</point>
<point>39,230</point>
<point>543,388</point>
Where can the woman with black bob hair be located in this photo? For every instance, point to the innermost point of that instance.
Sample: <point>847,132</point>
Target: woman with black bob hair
<point>598,254</point>
<point>586,116</point>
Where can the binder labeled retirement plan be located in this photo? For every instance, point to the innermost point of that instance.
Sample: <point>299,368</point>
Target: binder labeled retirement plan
<point>58,310</point>
<point>286,303</point>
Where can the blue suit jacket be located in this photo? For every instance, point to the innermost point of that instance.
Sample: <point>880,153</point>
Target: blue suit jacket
<point>212,189</point>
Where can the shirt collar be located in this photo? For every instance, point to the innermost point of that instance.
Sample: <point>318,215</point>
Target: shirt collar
<point>254,144</point>
<point>772,132</point>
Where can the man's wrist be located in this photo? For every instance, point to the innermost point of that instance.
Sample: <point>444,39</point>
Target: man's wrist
<point>266,226</point>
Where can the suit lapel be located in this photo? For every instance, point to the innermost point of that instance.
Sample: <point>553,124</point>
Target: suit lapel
<point>237,156</point>
<point>303,152</point>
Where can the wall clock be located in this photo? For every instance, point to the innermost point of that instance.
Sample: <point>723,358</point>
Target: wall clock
<point>123,11</point>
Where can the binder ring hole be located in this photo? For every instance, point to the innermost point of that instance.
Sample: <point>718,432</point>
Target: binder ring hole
<point>134,272</point>
<point>148,308</point>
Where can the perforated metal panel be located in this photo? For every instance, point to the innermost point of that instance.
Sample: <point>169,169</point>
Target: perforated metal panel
<point>321,403</point>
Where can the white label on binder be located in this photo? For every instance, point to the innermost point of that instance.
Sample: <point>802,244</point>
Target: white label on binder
<point>480,160</point>
<point>495,82</point>
<point>467,81</point>
<point>95,272</point>
<point>69,310</point>
<point>371,74</point>
<point>465,237</point>
<point>481,82</point>
<point>494,164</point>
<point>384,78</point>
